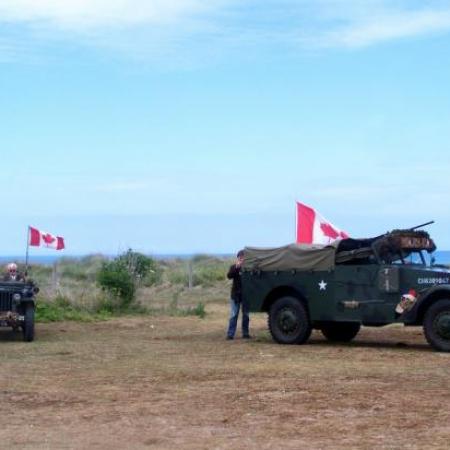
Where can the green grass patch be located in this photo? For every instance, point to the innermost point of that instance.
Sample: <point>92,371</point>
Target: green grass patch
<point>61,309</point>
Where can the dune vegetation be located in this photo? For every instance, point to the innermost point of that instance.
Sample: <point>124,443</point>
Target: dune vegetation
<point>96,287</point>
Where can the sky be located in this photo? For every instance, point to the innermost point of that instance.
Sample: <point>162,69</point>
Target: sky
<point>183,126</point>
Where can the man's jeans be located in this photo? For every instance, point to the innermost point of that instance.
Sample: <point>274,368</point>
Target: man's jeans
<point>234,313</point>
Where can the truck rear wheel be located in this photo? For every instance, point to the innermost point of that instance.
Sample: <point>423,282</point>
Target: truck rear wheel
<point>289,321</point>
<point>28,324</point>
<point>340,331</point>
<point>436,325</point>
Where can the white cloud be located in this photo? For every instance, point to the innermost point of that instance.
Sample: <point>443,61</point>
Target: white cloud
<point>184,29</point>
<point>386,26</point>
<point>80,14</point>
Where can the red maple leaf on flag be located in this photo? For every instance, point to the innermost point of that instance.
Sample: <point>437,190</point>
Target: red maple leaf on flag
<point>329,231</point>
<point>48,238</point>
<point>312,228</point>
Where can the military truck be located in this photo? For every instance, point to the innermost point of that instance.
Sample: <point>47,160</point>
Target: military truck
<point>17,305</point>
<point>337,288</point>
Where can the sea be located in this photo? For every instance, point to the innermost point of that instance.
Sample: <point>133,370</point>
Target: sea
<point>442,257</point>
<point>49,260</point>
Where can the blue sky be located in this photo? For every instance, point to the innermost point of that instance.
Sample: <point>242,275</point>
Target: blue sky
<point>175,127</point>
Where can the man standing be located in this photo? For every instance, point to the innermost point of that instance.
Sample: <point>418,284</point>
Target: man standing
<point>236,300</point>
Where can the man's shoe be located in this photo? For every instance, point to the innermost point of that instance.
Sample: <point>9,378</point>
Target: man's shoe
<point>230,338</point>
<point>246,336</point>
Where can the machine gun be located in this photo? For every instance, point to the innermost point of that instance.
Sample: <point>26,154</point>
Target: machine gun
<point>422,225</point>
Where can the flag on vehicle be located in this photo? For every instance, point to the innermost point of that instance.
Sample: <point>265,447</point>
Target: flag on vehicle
<point>312,228</point>
<point>37,238</point>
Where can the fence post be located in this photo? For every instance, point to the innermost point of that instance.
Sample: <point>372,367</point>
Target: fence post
<point>190,274</point>
<point>54,277</point>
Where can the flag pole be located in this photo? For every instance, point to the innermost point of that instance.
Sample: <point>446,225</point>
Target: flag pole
<point>295,221</point>
<point>27,252</point>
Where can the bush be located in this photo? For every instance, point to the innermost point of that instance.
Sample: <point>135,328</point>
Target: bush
<point>115,278</point>
<point>139,266</point>
<point>121,276</point>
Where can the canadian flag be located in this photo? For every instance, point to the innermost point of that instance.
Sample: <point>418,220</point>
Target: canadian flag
<point>312,228</point>
<point>37,238</point>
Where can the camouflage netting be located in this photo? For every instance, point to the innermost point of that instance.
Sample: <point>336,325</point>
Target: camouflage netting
<point>404,241</point>
<point>290,257</point>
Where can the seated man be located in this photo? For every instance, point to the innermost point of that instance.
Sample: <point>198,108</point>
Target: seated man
<point>12,274</point>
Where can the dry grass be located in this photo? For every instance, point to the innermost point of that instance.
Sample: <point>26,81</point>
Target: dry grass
<point>167,294</point>
<point>75,282</point>
<point>168,382</point>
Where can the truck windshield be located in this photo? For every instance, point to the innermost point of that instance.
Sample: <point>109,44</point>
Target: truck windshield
<point>415,257</point>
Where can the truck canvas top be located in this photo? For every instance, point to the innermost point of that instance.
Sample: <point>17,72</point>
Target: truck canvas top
<point>385,248</point>
<point>290,257</point>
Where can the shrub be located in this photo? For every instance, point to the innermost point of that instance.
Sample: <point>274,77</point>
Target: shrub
<point>115,278</point>
<point>139,266</point>
<point>121,276</point>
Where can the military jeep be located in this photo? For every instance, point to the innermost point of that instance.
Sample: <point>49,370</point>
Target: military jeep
<point>352,282</point>
<point>17,305</point>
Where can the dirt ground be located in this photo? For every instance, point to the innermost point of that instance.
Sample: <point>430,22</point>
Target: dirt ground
<point>174,382</point>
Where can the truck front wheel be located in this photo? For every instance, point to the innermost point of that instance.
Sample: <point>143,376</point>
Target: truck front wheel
<point>436,325</point>
<point>340,331</point>
<point>289,321</point>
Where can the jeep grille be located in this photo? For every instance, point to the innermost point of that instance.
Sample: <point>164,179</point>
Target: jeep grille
<point>5,301</point>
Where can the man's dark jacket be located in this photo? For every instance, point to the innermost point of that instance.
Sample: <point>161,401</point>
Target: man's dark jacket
<point>236,289</point>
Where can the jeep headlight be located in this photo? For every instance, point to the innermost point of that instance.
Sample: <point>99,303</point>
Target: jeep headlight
<point>17,297</point>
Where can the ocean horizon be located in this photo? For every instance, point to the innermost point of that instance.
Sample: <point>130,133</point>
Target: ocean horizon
<point>51,259</point>
<point>442,257</point>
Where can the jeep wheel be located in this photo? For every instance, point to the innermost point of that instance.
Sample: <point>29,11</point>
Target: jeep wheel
<point>340,331</point>
<point>28,325</point>
<point>289,322</point>
<point>436,325</point>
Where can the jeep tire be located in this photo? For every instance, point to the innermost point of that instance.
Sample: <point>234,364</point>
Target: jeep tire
<point>340,331</point>
<point>289,321</point>
<point>436,325</point>
<point>28,324</point>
